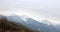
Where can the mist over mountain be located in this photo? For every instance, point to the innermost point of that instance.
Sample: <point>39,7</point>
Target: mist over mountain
<point>44,26</point>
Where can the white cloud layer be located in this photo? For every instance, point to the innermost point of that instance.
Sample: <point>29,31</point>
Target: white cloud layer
<point>37,9</point>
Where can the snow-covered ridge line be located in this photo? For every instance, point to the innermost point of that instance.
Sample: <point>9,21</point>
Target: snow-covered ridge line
<point>32,23</point>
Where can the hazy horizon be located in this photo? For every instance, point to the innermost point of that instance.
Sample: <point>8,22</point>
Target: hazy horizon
<point>36,9</point>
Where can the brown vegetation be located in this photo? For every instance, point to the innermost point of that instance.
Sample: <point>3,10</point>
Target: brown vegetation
<point>7,26</point>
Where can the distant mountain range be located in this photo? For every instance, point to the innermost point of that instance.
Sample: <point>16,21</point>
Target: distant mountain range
<point>44,26</point>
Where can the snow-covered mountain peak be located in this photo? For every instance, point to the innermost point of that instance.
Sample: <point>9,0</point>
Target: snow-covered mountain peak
<point>19,17</point>
<point>24,17</point>
<point>32,23</point>
<point>45,22</point>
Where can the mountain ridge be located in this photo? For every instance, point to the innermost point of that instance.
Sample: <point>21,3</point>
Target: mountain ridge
<point>33,24</point>
<point>10,26</point>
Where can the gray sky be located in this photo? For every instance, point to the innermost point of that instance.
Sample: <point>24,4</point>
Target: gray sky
<point>37,9</point>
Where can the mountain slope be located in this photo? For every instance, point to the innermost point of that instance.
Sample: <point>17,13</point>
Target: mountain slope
<point>11,26</point>
<point>33,24</point>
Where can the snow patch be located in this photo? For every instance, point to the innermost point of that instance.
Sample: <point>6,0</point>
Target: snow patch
<point>24,18</point>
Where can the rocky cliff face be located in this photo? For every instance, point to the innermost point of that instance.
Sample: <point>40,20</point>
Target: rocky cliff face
<point>10,26</point>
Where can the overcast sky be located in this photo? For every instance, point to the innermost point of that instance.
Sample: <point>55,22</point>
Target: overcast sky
<point>37,9</point>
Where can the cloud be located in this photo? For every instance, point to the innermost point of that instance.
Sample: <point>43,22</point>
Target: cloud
<point>46,9</point>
